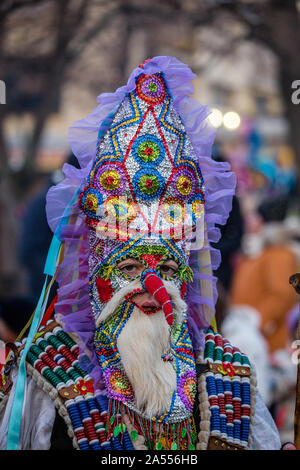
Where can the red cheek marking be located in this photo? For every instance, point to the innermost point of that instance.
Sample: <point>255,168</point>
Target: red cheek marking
<point>105,290</point>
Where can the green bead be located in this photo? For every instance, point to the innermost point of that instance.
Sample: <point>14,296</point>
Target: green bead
<point>134,435</point>
<point>43,344</point>
<point>73,374</point>
<point>158,446</point>
<point>31,358</point>
<point>63,336</point>
<point>117,430</point>
<point>152,87</point>
<point>79,370</point>
<point>245,361</point>
<point>192,447</point>
<point>218,355</point>
<point>227,357</point>
<point>51,377</point>
<point>36,350</point>
<point>144,155</point>
<point>111,420</point>
<point>62,374</point>
<point>237,357</point>
<point>54,341</point>
<point>173,446</point>
<point>151,189</point>
<point>209,350</point>
<point>99,426</point>
<point>183,432</point>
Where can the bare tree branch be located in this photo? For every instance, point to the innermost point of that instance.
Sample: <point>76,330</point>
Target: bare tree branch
<point>8,7</point>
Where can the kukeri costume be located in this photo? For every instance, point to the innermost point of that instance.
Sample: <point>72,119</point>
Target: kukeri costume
<point>119,375</point>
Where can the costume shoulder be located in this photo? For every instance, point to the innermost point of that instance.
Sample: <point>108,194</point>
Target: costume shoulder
<point>226,390</point>
<point>227,395</point>
<point>52,361</point>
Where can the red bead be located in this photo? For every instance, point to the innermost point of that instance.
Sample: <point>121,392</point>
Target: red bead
<point>48,361</point>
<point>80,434</point>
<point>39,365</point>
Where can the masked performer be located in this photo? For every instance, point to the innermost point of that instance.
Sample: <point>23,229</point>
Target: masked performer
<point>129,359</point>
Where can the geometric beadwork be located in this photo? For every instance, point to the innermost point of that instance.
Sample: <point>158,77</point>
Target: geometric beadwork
<point>147,157</point>
<point>228,390</point>
<point>117,383</point>
<point>54,355</point>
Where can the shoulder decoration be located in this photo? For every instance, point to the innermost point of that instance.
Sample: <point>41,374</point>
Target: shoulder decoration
<point>227,391</point>
<point>53,363</point>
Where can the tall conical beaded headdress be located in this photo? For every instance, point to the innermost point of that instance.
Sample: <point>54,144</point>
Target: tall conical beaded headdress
<point>145,181</point>
<point>145,157</point>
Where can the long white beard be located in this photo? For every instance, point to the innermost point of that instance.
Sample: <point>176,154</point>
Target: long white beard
<point>141,343</point>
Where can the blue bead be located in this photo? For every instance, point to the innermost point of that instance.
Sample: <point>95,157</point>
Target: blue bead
<point>116,445</point>
<point>95,446</point>
<point>127,441</point>
<point>84,445</point>
<point>106,447</point>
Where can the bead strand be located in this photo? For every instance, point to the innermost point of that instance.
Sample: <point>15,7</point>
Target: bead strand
<point>236,399</point>
<point>103,405</point>
<point>79,431</point>
<point>245,410</point>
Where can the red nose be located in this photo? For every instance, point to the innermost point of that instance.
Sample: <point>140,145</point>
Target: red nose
<point>156,287</point>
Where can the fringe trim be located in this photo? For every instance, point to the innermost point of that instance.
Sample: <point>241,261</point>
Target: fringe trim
<point>152,432</point>
<point>139,443</point>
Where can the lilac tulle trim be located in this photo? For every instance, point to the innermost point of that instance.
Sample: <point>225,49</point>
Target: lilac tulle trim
<point>73,307</point>
<point>73,304</point>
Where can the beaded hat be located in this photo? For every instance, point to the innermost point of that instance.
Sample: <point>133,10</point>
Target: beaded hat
<point>146,179</point>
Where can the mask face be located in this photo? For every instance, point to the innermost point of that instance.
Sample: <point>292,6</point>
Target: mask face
<point>141,330</point>
<point>136,271</point>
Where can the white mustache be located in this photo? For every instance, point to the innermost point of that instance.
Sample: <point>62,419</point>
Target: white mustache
<point>180,306</point>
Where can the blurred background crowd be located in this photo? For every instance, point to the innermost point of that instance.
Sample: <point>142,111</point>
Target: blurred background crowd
<point>57,56</point>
